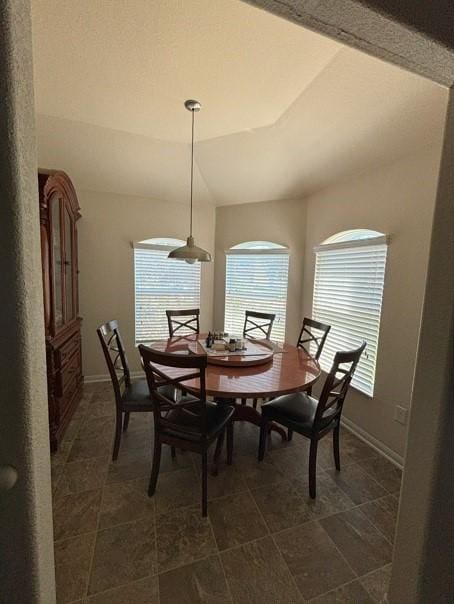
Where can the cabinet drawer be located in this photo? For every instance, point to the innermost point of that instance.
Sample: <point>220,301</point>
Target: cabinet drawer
<point>69,372</point>
<point>69,348</point>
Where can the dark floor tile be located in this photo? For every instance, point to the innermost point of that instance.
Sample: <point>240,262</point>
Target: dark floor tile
<point>76,514</point>
<point>183,536</point>
<point>282,505</point>
<point>61,456</point>
<point>357,484</point>
<point>354,447</point>
<point>257,574</point>
<point>124,502</point>
<point>353,593</point>
<point>130,466</point>
<point>383,514</point>
<point>183,459</point>
<point>384,472</point>
<point>143,591</point>
<point>84,475</point>
<point>87,448</point>
<point>362,545</point>
<point>101,407</point>
<point>95,427</point>
<point>236,520</point>
<point>228,482</point>
<point>376,583</point>
<point>313,560</point>
<point>177,489</point>
<point>56,471</point>
<point>293,505</point>
<point>72,429</point>
<point>123,554</point>
<point>72,566</point>
<point>196,583</point>
<point>257,474</point>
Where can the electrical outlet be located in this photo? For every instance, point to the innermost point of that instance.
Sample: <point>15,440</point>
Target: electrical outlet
<point>400,414</point>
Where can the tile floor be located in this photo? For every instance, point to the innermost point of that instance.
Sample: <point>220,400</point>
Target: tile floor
<point>264,541</point>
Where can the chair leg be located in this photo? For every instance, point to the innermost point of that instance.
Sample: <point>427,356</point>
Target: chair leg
<point>230,443</point>
<point>243,401</point>
<point>262,440</point>
<point>336,450</point>
<point>155,468</point>
<point>217,453</point>
<point>313,467</point>
<point>204,484</point>
<point>254,403</point>
<point>289,435</point>
<point>117,439</point>
<point>126,421</point>
<point>173,452</point>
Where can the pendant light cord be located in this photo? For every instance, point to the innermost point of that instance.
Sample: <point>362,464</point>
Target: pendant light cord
<point>192,169</point>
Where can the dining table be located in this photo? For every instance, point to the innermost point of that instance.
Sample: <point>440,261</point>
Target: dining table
<point>234,378</point>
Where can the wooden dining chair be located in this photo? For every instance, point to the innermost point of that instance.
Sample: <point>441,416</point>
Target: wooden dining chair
<point>313,332</point>
<point>190,325</point>
<point>311,418</point>
<point>190,424</point>
<point>130,396</point>
<point>258,324</point>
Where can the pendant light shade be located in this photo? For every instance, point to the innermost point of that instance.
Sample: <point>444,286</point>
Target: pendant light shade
<point>190,252</point>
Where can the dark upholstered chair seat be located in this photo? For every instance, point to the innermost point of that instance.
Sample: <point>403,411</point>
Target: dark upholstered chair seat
<point>295,410</point>
<point>189,418</point>
<point>138,394</point>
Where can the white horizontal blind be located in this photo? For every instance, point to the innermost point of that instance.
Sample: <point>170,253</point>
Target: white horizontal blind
<point>348,292</point>
<point>161,284</point>
<point>256,281</point>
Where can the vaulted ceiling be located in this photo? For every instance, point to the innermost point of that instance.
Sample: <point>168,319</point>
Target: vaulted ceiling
<point>284,110</point>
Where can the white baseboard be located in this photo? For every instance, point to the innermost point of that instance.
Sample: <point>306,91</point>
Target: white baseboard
<point>92,379</point>
<point>373,442</point>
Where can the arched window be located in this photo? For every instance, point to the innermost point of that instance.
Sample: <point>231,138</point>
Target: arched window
<point>256,279</point>
<point>348,291</point>
<point>161,284</point>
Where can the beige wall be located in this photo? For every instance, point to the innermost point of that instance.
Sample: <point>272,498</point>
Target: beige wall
<point>397,200</point>
<point>278,221</point>
<point>109,223</point>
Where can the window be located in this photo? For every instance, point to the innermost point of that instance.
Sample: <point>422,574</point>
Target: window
<point>160,284</point>
<point>256,279</point>
<point>348,292</point>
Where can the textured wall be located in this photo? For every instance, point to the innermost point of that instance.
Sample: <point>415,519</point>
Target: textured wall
<point>278,221</point>
<point>106,262</point>
<point>396,199</point>
<point>26,545</point>
<point>423,554</point>
<point>360,24</point>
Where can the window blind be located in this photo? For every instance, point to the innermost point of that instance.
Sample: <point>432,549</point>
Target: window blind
<point>256,281</point>
<point>348,292</point>
<point>161,284</point>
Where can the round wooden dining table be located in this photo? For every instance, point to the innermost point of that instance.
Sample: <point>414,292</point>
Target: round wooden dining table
<point>291,369</point>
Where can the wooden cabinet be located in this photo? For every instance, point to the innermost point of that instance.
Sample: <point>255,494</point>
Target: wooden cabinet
<point>59,213</point>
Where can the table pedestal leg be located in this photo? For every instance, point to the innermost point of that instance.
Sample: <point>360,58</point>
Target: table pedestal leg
<point>244,413</point>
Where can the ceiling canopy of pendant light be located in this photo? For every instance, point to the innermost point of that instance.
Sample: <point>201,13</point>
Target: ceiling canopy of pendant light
<point>190,252</point>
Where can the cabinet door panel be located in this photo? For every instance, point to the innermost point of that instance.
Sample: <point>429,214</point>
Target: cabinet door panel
<point>69,265</point>
<point>57,261</point>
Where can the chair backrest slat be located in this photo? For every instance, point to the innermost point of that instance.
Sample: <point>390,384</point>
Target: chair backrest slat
<point>191,325</point>
<point>336,386</point>
<point>155,364</point>
<point>258,324</point>
<point>313,331</point>
<point>115,356</point>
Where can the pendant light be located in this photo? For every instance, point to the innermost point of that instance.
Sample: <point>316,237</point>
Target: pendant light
<point>190,252</point>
